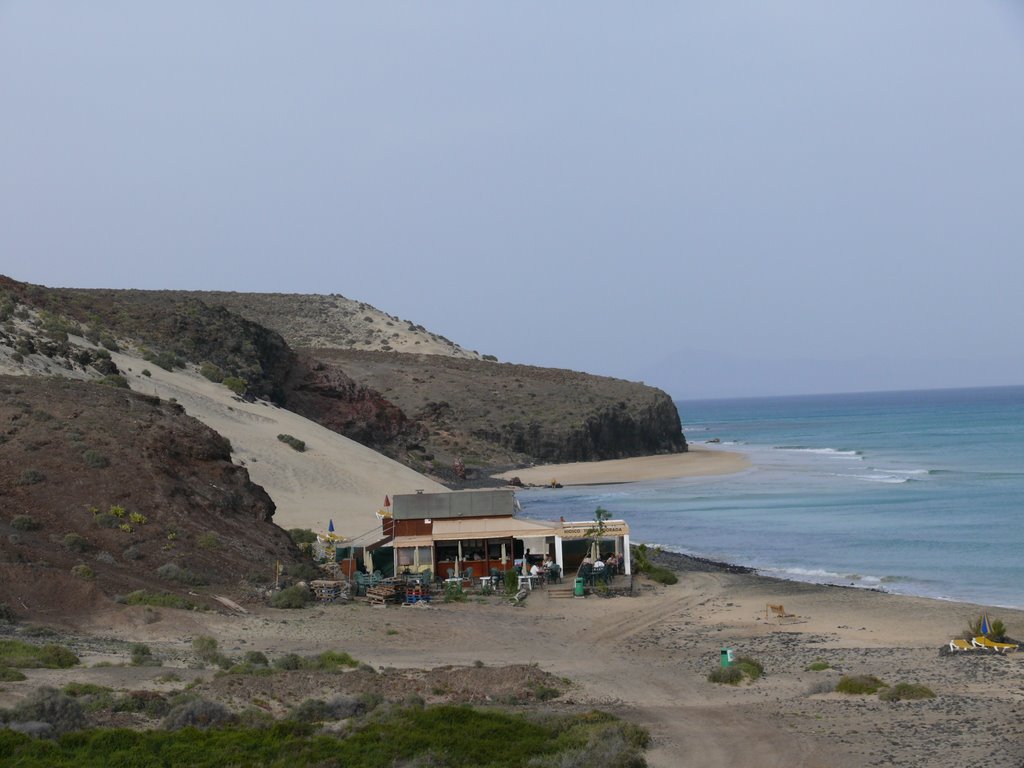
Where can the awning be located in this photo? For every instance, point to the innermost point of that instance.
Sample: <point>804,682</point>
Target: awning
<point>492,528</point>
<point>412,541</point>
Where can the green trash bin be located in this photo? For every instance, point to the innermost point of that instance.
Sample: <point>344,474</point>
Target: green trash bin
<point>727,657</point>
<point>578,590</point>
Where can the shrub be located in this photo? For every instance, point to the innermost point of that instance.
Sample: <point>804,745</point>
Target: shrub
<point>212,372</point>
<point>142,656</point>
<point>332,660</point>
<point>95,459</point>
<point>302,535</point>
<point>48,705</point>
<point>146,372</point>
<point>859,684</point>
<point>174,572</point>
<point>906,691</point>
<point>291,597</point>
<point>83,571</point>
<point>288,662</point>
<point>256,659</point>
<point>75,543</point>
<point>115,380</point>
<point>158,599</point>
<point>818,666</point>
<point>453,592</point>
<point>205,647</point>
<point>728,675</point>
<point>8,675</point>
<point>208,540</point>
<point>78,690</point>
<point>821,686</point>
<point>132,553</point>
<point>337,708</point>
<point>294,442</point>
<point>107,520</point>
<point>149,703</point>
<point>996,629</point>
<point>24,523</point>
<point>661,575</point>
<point>30,477</point>
<point>198,713</point>
<point>7,614</point>
<point>752,668</point>
<point>236,385</point>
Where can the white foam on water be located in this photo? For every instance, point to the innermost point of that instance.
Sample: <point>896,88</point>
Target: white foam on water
<point>832,453</point>
<point>882,478</point>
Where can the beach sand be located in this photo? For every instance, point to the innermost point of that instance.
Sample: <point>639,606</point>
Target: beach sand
<point>646,658</point>
<point>696,461</point>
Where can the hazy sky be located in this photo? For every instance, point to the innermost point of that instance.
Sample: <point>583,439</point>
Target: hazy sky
<point>719,198</point>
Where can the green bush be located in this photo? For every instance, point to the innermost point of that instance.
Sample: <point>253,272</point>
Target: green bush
<point>996,630</point>
<point>8,675</point>
<point>142,656</point>
<point>661,575</point>
<point>236,385</point>
<point>859,684</point>
<point>818,666</point>
<point>78,690</point>
<point>115,380</point>
<point>22,655</point>
<point>48,705</point>
<point>75,543</point>
<point>291,597</point>
<point>158,599</point>
<point>30,477</point>
<point>256,659</point>
<point>727,675</point>
<point>906,691</point>
<point>174,572</point>
<point>83,571</point>
<point>212,372</point>
<point>149,703</point>
<point>24,523</point>
<point>302,535</point>
<point>95,459</point>
<point>752,668</point>
<point>294,442</point>
<point>205,647</point>
<point>197,714</point>
<point>453,592</point>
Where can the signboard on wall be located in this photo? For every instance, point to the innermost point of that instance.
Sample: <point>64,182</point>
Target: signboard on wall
<point>588,530</point>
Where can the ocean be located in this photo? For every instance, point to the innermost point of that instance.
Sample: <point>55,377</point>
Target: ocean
<point>917,493</point>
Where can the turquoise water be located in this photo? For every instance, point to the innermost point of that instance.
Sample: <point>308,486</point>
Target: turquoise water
<point>912,492</point>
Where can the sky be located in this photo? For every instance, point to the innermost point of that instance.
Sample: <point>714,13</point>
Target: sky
<point>717,198</point>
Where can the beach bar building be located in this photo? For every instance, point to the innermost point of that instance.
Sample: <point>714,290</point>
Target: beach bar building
<point>480,530</point>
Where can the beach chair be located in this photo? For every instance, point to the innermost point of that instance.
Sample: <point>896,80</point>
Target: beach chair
<point>959,644</point>
<point>983,642</point>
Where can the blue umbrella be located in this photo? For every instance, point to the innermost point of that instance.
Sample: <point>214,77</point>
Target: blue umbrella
<point>330,526</point>
<point>984,624</point>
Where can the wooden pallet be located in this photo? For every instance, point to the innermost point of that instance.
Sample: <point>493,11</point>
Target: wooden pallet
<point>382,594</point>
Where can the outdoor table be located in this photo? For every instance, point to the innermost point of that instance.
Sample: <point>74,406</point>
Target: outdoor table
<point>528,580</point>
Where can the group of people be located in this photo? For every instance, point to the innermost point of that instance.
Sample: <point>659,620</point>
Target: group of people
<point>601,568</point>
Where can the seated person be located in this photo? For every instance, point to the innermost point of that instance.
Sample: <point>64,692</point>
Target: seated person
<point>535,570</point>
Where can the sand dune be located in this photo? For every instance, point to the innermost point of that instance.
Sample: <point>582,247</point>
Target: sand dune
<point>335,478</point>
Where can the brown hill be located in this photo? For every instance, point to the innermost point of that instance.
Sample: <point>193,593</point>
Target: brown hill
<point>105,492</point>
<point>502,414</point>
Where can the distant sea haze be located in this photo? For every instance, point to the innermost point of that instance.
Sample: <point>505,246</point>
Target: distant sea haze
<point>911,492</point>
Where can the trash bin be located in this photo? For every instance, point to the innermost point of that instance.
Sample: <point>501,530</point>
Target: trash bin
<point>727,657</point>
<point>578,590</point>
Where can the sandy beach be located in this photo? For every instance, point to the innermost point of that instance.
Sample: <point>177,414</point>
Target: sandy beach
<point>646,658</point>
<point>697,461</point>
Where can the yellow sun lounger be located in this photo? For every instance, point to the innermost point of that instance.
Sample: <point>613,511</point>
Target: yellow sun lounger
<point>984,642</point>
<point>959,644</point>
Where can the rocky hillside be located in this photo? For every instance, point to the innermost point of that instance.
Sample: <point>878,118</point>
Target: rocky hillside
<point>497,413</point>
<point>331,321</point>
<point>173,330</point>
<point>433,412</point>
<point>104,492</point>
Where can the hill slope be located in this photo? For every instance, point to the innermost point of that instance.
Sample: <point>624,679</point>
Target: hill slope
<point>105,491</point>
